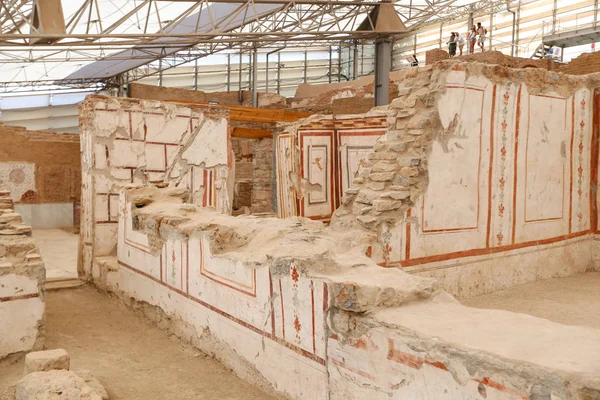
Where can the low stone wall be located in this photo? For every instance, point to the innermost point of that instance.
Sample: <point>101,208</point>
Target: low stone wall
<point>22,284</point>
<point>300,311</point>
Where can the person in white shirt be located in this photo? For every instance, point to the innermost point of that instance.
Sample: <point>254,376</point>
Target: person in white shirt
<point>461,43</point>
<point>472,38</point>
<point>481,31</point>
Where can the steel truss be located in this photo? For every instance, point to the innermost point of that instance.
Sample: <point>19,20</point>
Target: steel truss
<point>92,34</point>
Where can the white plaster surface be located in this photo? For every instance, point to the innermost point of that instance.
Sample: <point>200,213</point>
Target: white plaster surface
<point>19,317</point>
<point>212,150</point>
<point>46,216</point>
<point>572,300</point>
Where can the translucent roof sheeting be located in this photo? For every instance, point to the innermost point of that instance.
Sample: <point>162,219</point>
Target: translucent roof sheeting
<point>198,22</point>
<point>108,37</point>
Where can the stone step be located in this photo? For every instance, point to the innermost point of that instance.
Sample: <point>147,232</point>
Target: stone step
<point>63,283</point>
<point>110,263</point>
<point>17,230</point>
<point>13,218</point>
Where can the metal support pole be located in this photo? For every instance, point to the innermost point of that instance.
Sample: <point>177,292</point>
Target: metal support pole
<point>595,12</point>
<point>160,73</point>
<point>362,59</point>
<point>554,8</point>
<point>517,24</point>
<point>255,77</point>
<point>355,61</point>
<point>229,72</point>
<point>392,55</point>
<point>441,37</point>
<point>382,71</point>
<point>196,74</point>
<point>330,64</point>
<point>514,26</point>
<point>267,73</point>
<point>339,74</point>
<point>240,95</point>
<point>491,30</point>
<point>304,74</point>
<point>278,73</point>
<point>470,21</point>
<point>267,66</point>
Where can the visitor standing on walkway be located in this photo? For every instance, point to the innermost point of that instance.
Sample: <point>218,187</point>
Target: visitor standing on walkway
<point>461,43</point>
<point>482,32</point>
<point>452,45</point>
<point>472,38</point>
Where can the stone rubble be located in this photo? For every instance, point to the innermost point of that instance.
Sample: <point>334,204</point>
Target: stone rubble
<point>47,377</point>
<point>47,360</point>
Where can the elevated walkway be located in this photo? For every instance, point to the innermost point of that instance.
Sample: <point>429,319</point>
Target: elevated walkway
<point>576,36</point>
<point>568,33</point>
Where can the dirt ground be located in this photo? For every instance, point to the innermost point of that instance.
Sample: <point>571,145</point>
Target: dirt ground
<point>131,357</point>
<point>574,300</point>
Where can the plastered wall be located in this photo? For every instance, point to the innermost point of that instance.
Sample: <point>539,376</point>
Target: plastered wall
<point>308,316</point>
<point>483,179</point>
<point>318,159</point>
<point>329,313</point>
<point>126,142</point>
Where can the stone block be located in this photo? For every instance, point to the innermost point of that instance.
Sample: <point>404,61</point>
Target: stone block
<point>386,205</point>
<point>409,171</point>
<point>375,185</point>
<point>383,155</point>
<point>56,385</point>
<point>382,176</point>
<point>399,195</point>
<point>383,167</point>
<point>366,197</point>
<point>47,360</point>
<point>407,161</point>
<point>420,120</point>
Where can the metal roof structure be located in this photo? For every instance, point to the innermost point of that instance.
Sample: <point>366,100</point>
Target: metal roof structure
<point>106,38</point>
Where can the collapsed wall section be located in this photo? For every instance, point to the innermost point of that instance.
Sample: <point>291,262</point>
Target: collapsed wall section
<point>125,142</point>
<point>22,284</point>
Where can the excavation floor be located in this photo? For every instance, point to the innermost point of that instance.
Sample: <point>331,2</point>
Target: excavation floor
<point>130,356</point>
<point>574,300</point>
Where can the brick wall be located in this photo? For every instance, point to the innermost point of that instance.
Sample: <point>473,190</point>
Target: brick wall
<point>253,174</point>
<point>149,92</point>
<point>262,179</point>
<point>435,55</point>
<point>54,158</point>
<point>587,63</point>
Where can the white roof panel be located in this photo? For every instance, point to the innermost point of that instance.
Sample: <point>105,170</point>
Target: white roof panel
<point>219,14</point>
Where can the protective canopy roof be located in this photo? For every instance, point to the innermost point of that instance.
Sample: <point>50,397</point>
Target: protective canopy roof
<point>205,22</point>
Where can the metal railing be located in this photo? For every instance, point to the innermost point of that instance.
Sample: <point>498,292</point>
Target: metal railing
<point>582,20</point>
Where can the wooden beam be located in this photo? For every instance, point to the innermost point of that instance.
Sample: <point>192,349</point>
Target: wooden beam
<point>249,114</point>
<point>251,133</point>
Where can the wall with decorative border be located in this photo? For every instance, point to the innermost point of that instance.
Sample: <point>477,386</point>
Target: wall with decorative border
<point>318,160</point>
<point>128,142</point>
<point>511,168</point>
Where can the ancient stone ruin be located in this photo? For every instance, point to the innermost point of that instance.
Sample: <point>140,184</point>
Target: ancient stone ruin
<point>334,259</point>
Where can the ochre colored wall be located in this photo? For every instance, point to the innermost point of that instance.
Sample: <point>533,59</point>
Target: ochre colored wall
<point>57,162</point>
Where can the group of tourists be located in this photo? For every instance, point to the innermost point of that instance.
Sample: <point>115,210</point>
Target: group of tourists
<point>475,35</point>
